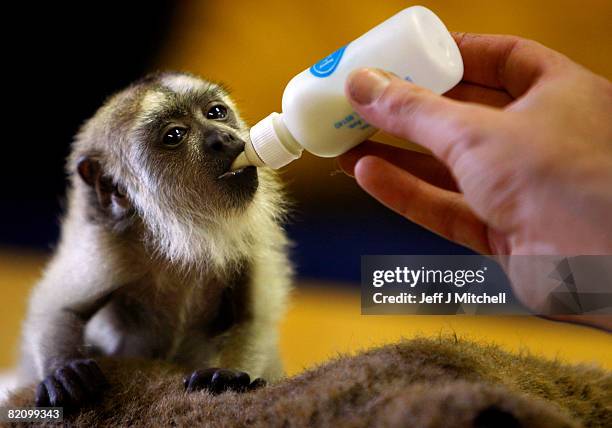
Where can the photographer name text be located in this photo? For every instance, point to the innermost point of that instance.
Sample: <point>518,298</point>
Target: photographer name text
<point>440,298</point>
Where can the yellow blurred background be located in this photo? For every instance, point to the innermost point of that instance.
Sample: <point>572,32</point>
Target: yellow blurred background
<point>256,47</point>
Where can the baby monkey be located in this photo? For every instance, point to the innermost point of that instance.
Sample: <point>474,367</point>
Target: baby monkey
<point>164,253</point>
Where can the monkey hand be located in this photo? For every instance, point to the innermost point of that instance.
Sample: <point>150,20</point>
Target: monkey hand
<point>78,383</point>
<point>217,380</point>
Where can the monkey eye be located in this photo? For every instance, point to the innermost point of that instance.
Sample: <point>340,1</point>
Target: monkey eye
<point>217,112</point>
<point>174,136</point>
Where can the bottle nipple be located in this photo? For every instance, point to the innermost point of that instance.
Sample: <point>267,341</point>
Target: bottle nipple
<point>241,161</point>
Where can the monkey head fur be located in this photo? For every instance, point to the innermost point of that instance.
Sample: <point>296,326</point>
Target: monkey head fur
<point>152,161</point>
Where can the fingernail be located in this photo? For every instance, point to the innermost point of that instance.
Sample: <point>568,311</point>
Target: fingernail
<point>366,86</point>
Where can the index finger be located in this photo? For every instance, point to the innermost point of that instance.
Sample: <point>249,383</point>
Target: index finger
<point>423,166</point>
<point>504,62</point>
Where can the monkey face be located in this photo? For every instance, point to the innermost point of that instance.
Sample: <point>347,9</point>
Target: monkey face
<point>160,152</point>
<point>190,133</point>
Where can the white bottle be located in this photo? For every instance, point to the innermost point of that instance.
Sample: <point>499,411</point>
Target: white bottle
<point>414,44</point>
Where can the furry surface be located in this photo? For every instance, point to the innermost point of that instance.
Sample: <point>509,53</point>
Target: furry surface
<point>441,382</point>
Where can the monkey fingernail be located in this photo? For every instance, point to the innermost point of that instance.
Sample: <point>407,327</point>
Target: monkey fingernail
<point>217,381</point>
<point>221,381</point>
<point>97,374</point>
<point>199,379</point>
<point>42,396</point>
<point>257,383</point>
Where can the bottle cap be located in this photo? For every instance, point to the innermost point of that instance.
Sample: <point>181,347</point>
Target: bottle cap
<point>268,145</point>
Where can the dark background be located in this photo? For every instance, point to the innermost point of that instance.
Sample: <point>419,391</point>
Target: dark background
<point>62,63</point>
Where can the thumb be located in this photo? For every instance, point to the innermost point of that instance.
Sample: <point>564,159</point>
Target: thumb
<point>444,126</point>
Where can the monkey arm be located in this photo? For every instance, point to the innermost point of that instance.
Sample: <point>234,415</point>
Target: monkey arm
<point>53,333</point>
<point>80,278</point>
<point>247,352</point>
<point>53,336</point>
<point>53,339</point>
<point>252,345</point>
<point>78,282</point>
<point>245,361</point>
<point>74,286</point>
<point>253,348</point>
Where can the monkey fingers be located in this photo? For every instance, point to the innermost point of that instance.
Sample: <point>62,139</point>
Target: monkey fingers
<point>72,385</point>
<point>199,379</point>
<point>256,384</point>
<point>51,393</point>
<point>90,375</point>
<point>78,383</point>
<point>216,381</point>
<point>224,380</point>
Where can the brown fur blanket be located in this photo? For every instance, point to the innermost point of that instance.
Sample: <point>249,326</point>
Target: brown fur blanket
<point>441,382</point>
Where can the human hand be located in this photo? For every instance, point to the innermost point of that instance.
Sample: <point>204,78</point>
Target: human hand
<point>523,147</point>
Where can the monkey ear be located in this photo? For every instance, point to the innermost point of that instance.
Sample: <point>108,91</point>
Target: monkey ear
<point>111,198</point>
<point>89,169</point>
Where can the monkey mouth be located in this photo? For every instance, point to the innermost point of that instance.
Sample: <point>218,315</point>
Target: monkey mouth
<point>240,184</point>
<point>247,170</point>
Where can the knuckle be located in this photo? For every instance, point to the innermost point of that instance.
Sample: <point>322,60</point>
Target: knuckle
<point>466,135</point>
<point>500,201</point>
<point>515,42</point>
<point>401,100</point>
<point>521,43</point>
<point>463,127</point>
<point>542,168</point>
<point>518,40</point>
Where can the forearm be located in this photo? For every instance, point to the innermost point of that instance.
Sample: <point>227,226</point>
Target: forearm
<point>52,338</point>
<point>55,324</point>
<point>254,349</point>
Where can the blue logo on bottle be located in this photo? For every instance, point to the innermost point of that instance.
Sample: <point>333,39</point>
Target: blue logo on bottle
<point>328,65</point>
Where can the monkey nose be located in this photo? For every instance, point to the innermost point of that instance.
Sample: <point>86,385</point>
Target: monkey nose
<point>220,143</point>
